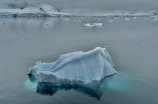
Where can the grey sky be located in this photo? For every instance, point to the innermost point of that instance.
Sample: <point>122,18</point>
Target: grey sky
<point>98,4</point>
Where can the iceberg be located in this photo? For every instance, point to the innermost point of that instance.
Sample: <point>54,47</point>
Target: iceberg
<point>75,68</point>
<point>20,8</point>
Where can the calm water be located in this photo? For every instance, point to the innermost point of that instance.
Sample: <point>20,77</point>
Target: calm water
<point>132,45</point>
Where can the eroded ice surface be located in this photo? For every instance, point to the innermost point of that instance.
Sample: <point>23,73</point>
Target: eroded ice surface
<point>76,67</point>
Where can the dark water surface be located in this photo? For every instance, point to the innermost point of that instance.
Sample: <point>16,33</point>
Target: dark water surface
<point>132,45</point>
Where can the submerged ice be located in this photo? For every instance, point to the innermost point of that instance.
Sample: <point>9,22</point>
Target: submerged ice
<point>75,68</point>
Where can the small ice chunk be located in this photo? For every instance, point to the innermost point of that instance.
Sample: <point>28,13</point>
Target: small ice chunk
<point>110,21</point>
<point>82,18</point>
<point>154,20</point>
<point>98,24</point>
<point>116,17</point>
<point>145,18</point>
<point>134,17</point>
<point>105,46</point>
<point>65,19</point>
<point>94,24</point>
<point>88,25</point>
<point>127,18</point>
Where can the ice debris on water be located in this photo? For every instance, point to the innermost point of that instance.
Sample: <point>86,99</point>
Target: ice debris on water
<point>154,20</point>
<point>127,18</point>
<point>105,46</point>
<point>110,21</point>
<point>65,19</point>
<point>82,18</point>
<point>75,68</point>
<point>134,17</point>
<point>98,24</point>
<point>116,18</point>
<point>88,25</point>
<point>94,24</point>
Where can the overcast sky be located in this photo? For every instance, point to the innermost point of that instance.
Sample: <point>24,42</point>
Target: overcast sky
<point>98,4</point>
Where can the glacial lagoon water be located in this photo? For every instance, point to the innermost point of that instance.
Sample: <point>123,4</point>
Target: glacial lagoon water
<point>132,44</point>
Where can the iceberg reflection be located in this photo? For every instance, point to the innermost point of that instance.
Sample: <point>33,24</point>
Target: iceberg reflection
<point>93,90</point>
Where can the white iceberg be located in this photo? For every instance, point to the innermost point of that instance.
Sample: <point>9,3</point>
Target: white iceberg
<point>75,68</point>
<point>22,9</point>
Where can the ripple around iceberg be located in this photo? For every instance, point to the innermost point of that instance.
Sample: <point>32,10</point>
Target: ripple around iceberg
<point>75,68</point>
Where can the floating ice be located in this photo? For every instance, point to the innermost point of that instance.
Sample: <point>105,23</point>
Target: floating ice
<point>154,20</point>
<point>127,18</point>
<point>75,68</point>
<point>88,25</point>
<point>65,19</point>
<point>94,24</point>
<point>117,17</point>
<point>110,21</point>
<point>98,24</point>
<point>82,18</point>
